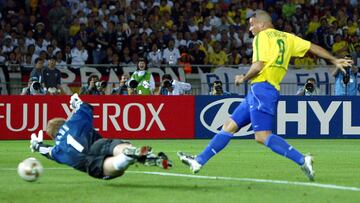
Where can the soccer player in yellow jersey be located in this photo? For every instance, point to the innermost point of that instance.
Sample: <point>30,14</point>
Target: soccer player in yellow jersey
<point>272,50</point>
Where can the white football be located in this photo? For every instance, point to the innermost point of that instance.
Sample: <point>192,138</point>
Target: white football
<point>30,169</point>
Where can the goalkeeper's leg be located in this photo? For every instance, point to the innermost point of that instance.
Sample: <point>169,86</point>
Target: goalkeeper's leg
<point>116,165</point>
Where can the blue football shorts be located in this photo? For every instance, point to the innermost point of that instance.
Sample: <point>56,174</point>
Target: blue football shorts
<point>259,107</point>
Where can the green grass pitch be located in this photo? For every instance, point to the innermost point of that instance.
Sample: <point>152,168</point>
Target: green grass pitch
<point>246,171</point>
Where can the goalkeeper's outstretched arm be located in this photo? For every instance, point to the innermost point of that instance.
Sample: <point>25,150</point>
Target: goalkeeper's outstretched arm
<point>44,149</point>
<point>37,145</point>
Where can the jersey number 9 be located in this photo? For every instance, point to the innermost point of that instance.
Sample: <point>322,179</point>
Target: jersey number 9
<point>280,59</point>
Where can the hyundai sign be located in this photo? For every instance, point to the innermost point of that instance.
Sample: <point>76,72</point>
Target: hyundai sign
<point>297,117</point>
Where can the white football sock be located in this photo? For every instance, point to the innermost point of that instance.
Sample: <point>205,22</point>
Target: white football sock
<point>122,162</point>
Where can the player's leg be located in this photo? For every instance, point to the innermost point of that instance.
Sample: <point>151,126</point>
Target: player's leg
<point>120,147</point>
<point>238,119</point>
<point>130,154</point>
<point>101,160</point>
<point>218,142</point>
<point>262,113</point>
<point>280,146</point>
<point>142,155</point>
<point>277,144</point>
<point>115,147</point>
<point>115,166</point>
<point>102,167</point>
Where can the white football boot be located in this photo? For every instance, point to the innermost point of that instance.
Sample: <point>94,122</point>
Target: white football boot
<point>307,167</point>
<point>190,161</point>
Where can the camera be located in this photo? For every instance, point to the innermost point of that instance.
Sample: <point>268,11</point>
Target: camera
<point>167,83</point>
<point>35,86</point>
<point>309,87</point>
<point>217,87</point>
<point>133,84</point>
<point>98,47</point>
<point>101,84</point>
<point>346,78</point>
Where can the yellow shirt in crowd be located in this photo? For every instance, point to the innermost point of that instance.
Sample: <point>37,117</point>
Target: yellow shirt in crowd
<point>337,46</point>
<point>218,58</point>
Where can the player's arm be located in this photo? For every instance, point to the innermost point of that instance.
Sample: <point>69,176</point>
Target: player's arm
<point>259,58</point>
<point>44,149</point>
<point>321,52</point>
<point>80,109</point>
<point>255,68</point>
<point>37,145</point>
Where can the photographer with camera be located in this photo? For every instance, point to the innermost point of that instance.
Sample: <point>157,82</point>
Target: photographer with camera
<point>132,87</point>
<point>173,87</point>
<point>145,81</point>
<point>216,88</point>
<point>94,86</point>
<point>309,89</point>
<point>34,87</point>
<point>123,86</point>
<point>346,83</point>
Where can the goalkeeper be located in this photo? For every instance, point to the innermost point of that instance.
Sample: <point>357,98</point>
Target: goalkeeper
<point>78,145</point>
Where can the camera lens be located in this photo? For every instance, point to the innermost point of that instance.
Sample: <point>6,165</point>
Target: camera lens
<point>309,87</point>
<point>167,84</point>
<point>36,86</point>
<point>346,77</point>
<point>133,84</point>
<point>101,84</point>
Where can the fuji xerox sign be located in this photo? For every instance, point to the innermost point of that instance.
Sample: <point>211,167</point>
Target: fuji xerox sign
<point>297,117</point>
<point>136,117</point>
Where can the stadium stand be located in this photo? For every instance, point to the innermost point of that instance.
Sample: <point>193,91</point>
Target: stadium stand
<point>128,29</point>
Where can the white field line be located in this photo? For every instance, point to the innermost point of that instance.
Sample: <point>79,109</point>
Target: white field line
<point>284,182</point>
<point>309,184</point>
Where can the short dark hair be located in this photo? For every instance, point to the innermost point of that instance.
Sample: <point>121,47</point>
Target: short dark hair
<point>166,77</point>
<point>38,59</point>
<point>91,77</point>
<point>217,82</point>
<point>311,79</point>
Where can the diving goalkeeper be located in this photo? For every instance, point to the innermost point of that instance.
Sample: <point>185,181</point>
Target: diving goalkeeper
<point>78,145</point>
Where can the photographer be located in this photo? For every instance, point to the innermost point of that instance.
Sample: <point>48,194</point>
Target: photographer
<point>173,87</point>
<point>34,87</point>
<point>94,86</point>
<point>123,86</point>
<point>216,88</point>
<point>310,88</point>
<point>132,87</point>
<point>346,83</point>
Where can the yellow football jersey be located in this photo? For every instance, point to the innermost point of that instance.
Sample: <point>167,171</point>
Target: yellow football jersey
<point>275,48</point>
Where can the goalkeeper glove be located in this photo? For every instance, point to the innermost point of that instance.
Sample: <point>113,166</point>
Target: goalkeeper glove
<point>35,141</point>
<point>75,101</point>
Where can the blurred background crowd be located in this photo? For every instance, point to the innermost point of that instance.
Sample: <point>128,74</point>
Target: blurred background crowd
<point>61,33</point>
<point>165,31</point>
